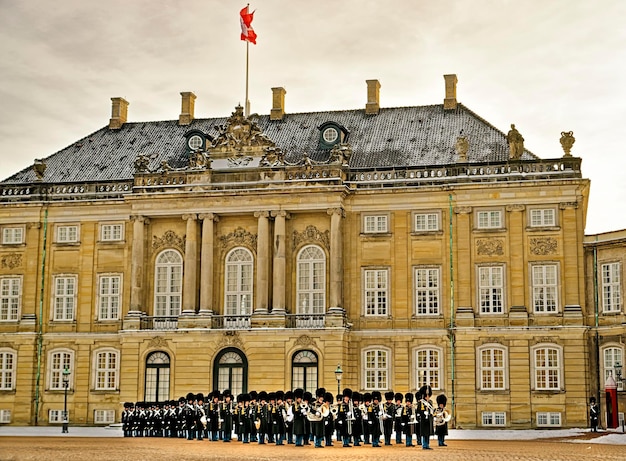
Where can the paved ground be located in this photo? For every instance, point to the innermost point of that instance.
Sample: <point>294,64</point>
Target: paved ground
<point>77,447</point>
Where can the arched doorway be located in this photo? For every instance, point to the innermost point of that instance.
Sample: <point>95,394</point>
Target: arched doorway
<point>230,371</point>
<point>157,384</point>
<point>304,371</point>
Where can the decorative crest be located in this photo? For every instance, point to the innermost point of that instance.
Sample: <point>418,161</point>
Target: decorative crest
<point>239,132</point>
<point>341,153</point>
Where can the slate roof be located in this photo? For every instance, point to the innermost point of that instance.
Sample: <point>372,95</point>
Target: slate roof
<point>396,137</point>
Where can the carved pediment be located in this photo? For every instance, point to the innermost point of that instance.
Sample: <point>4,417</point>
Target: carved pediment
<point>311,235</point>
<point>490,247</point>
<point>543,246</point>
<point>240,134</point>
<point>169,239</point>
<point>11,261</point>
<point>239,236</point>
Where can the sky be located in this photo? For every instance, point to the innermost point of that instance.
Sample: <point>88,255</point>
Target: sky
<point>546,66</point>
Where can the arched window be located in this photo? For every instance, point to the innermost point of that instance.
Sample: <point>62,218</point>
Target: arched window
<point>238,282</point>
<point>311,276</point>
<point>428,368</point>
<point>157,377</point>
<point>230,371</point>
<point>168,282</point>
<point>304,371</point>
<point>611,356</point>
<point>8,366</point>
<point>492,367</point>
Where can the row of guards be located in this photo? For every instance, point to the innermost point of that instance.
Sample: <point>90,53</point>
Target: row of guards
<point>295,417</point>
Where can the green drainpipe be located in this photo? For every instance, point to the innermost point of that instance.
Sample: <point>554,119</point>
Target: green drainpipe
<point>451,329</point>
<point>596,306</point>
<point>40,322</point>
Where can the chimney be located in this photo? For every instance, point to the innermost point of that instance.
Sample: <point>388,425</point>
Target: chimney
<point>278,103</point>
<point>449,103</point>
<point>119,113</point>
<point>373,97</point>
<point>186,111</point>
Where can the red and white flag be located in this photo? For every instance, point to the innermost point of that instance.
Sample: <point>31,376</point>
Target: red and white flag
<point>247,32</point>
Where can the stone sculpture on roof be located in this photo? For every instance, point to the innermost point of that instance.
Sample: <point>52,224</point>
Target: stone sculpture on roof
<point>567,141</point>
<point>516,143</point>
<point>341,153</point>
<point>239,132</point>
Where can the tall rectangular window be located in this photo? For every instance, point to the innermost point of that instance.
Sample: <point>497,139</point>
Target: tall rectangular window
<point>12,235</point>
<point>611,286</point>
<point>7,370</point>
<point>490,288</point>
<point>545,217</point>
<point>376,369</point>
<point>492,369</point>
<point>10,298</point>
<point>428,371</point>
<point>64,297</point>
<point>547,368</point>
<point>59,361</point>
<point>489,219</point>
<point>376,291</point>
<point>612,356</point>
<point>427,291</point>
<point>109,297</point>
<point>375,224</point>
<point>67,234</point>
<point>544,286</point>
<point>106,370</point>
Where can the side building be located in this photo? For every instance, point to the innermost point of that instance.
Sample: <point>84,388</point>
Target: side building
<point>409,246</point>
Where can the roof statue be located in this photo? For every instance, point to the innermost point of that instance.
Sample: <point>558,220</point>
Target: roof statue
<point>516,143</point>
<point>239,132</point>
<point>461,147</point>
<point>567,141</point>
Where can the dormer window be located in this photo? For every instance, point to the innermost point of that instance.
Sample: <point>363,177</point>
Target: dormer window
<point>332,133</point>
<point>196,140</point>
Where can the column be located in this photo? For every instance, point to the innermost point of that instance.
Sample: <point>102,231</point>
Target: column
<point>190,271</point>
<point>571,242</point>
<point>206,262</point>
<point>278,298</point>
<point>336,260</point>
<point>263,251</point>
<point>137,265</point>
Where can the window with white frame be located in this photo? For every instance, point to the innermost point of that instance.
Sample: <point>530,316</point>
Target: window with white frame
<point>5,416</point>
<point>238,282</point>
<point>547,368</point>
<point>12,235</point>
<point>8,368</point>
<point>10,298</point>
<point>492,368</point>
<point>103,416</point>
<point>427,289</point>
<point>109,296</point>
<point>375,224</point>
<point>493,418</point>
<point>55,416</point>
<point>376,369</point>
<point>489,219</point>
<point>168,284</point>
<point>428,368</point>
<point>544,288</point>
<point>542,217</point>
<point>311,276</point>
<point>111,232</point>
<point>611,356</point>
<point>426,222</point>
<point>67,234</point>
<point>491,289</point>
<point>376,291</point>
<point>611,286</point>
<point>64,297</point>
<point>106,370</point>
<point>548,419</point>
<point>58,362</point>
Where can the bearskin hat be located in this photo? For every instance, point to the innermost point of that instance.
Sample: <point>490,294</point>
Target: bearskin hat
<point>253,395</point>
<point>347,392</point>
<point>191,396</point>
<point>181,400</point>
<point>592,400</point>
<point>367,397</point>
<point>280,395</point>
<point>262,395</point>
<point>200,396</point>
<point>398,396</point>
<point>288,395</point>
<point>328,397</point>
<point>307,396</point>
<point>339,397</point>
<point>298,393</point>
<point>408,397</point>
<point>389,395</point>
<point>227,393</point>
<point>356,396</point>
<point>442,399</point>
<point>376,395</point>
<point>215,395</point>
<point>425,392</point>
<point>320,392</point>
<point>271,396</point>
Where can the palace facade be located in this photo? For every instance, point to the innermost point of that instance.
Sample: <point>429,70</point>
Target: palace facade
<point>409,246</point>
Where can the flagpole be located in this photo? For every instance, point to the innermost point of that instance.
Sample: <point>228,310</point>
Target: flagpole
<point>247,61</point>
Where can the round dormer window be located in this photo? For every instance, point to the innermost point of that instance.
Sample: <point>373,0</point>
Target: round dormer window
<point>330,135</point>
<point>195,142</point>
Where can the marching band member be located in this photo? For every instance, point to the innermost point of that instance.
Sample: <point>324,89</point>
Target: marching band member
<point>290,415</point>
<point>367,428</point>
<point>127,419</point>
<point>252,414</point>
<point>278,418</point>
<point>388,413</point>
<point>307,398</point>
<point>441,420</point>
<point>329,425</point>
<point>190,416</point>
<point>409,420</point>
<point>425,413</point>
<point>181,424</point>
<point>299,417</point>
<point>317,425</point>
<point>238,413</point>
<point>345,417</point>
<point>374,413</point>
<point>397,417</point>
<point>214,411</point>
<point>261,417</point>
<point>199,413</point>
<point>226,414</point>
<point>357,423</point>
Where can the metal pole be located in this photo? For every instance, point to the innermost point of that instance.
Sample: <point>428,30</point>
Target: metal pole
<point>65,422</point>
<point>247,60</point>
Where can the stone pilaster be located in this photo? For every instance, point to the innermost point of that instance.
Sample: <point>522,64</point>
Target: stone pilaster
<point>137,264</point>
<point>336,260</point>
<point>278,298</point>
<point>571,262</point>
<point>207,262</point>
<point>263,252</point>
<point>518,271</point>
<point>190,272</point>
<point>463,275</point>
